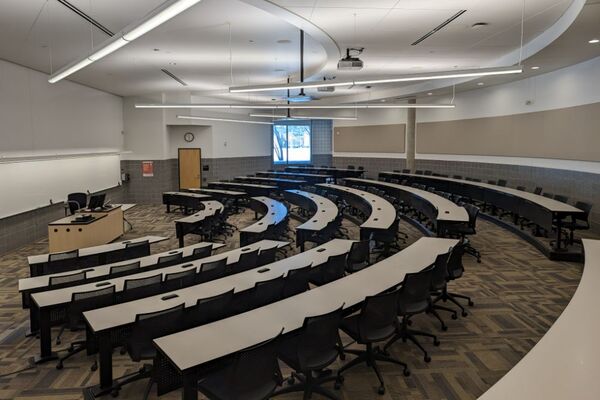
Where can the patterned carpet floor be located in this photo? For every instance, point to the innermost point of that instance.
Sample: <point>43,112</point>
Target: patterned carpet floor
<point>518,294</point>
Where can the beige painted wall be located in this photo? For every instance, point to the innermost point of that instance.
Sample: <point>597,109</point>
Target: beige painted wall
<point>370,138</point>
<point>568,133</point>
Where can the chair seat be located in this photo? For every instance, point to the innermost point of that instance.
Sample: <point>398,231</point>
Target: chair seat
<point>314,362</point>
<point>574,225</point>
<point>414,308</point>
<point>350,327</point>
<point>218,386</point>
<point>147,353</point>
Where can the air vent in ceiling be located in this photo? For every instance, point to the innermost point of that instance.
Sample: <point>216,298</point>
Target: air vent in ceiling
<point>437,28</point>
<point>166,71</point>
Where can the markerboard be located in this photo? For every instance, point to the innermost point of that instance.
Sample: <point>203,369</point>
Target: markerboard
<point>27,185</point>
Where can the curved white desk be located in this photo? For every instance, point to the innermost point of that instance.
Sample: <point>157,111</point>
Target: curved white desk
<point>565,363</point>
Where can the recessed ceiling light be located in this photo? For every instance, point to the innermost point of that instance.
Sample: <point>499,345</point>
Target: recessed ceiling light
<point>156,49</point>
<point>250,41</point>
<point>382,100</point>
<point>429,94</point>
<point>594,41</point>
<point>284,41</point>
<point>479,83</point>
<point>535,67</point>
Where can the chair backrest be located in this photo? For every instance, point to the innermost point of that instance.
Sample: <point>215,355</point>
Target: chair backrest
<point>548,195</point>
<point>65,255</point>
<point>267,256</point>
<point>210,309</point>
<point>178,280</point>
<point>212,270</point>
<point>427,172</point>
<point>361,168</point>
<point>406,171</point>
<point>296,281</point>
<point>76,201</point>
<point>117,270</point>
<point>502,182</point>
<point>473,212</point>
<point>359,254</point>
<point>63,279</point>
<point>170,259</point>
<point>521,188</point>
<point>333,269</point>
<point>585,207</point>
<point>439,275</point>
<point>266,292</point>
<point>201,252</point>
<point>141,287</point>
<point>455,265</point>
<point>318,340</point>
<point>538,190</point>
<point>378,315</point>
<point>351,167</point>
<point>84,301</point>
<point>419,172</point>
<point>561,198</point>
<point>491,182</point>
<point>415,292</point>
<point>254,370</point>
<point>150,326</point>
<point>247,261</point>
<point>457,176</point>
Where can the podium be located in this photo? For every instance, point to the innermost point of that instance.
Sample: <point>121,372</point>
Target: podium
<point>68,234</point>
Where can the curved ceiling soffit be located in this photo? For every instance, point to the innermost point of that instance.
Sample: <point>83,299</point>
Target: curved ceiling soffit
<point>529,49</point>
<point>332,50</point>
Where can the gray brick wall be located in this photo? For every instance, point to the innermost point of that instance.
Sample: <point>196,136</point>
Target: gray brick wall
<point>149,190</point>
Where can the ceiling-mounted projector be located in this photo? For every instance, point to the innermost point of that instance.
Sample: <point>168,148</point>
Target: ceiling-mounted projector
<point>351,61</point>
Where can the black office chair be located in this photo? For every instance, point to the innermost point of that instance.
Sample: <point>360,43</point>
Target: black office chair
<point>123,269</point>
<point>210,309</point>
<point>361,168</point>
<point>76,201</point>
<point>427,172</point>
<point>212,270</point>
<point>310,352</point>
<point>170,259</point>
<point>492,182</point>
<point>375,323</point>
<point>469,229</point>
<point>134,289</point>
<point>332,270</point>
<point>351,167</point>
<point>201,252</point>
<point>502,182</point>
<point>522,188</point>
<point>179,280</point>
<point>61,280</point>
<point>267,256</point>
<point>81,302</point>
<point>140,347</point>
<point>131,250</point>
<point>406,171</point>
<point>548,195</point>
<point>359,256</point>
<point>578,222</point>
<point>561,198</point>
<point>456,270</point>
<point>439,283</point>
<point>263,293</point>
<point>457,176</point>
<point>296,281</point>
<point>254,374</point>
<point>62,262</point>
<point>538,190</point>
<point>247,261</point>
<point>414,298</point>
<point>419,172</point>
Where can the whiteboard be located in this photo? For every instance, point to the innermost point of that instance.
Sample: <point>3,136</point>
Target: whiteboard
<point>31,184</point>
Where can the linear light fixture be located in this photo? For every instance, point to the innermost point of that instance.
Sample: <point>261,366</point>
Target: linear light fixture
<point>294,106</point>
<point>156,17</point>
<point>224,119</point>
<point>301,117</point>
<point>406,78</point>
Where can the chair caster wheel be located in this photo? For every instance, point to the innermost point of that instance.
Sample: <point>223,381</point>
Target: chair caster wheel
<point>59,366</point>
<point>58,342</point>
<point>427,359</point>
<point>471,304</point>
<point>406,372</point>
<point>444,328</point>
<point>454,316</point>
<point>381,390</point>
<point>436,342</point>
<point>464,313</point>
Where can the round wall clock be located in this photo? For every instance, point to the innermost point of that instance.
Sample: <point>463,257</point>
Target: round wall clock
<point>188,137</point>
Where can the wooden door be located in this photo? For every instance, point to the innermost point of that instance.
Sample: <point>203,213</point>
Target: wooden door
<point>190,168</point>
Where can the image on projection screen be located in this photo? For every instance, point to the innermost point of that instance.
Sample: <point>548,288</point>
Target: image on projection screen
<point>291,144</point>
